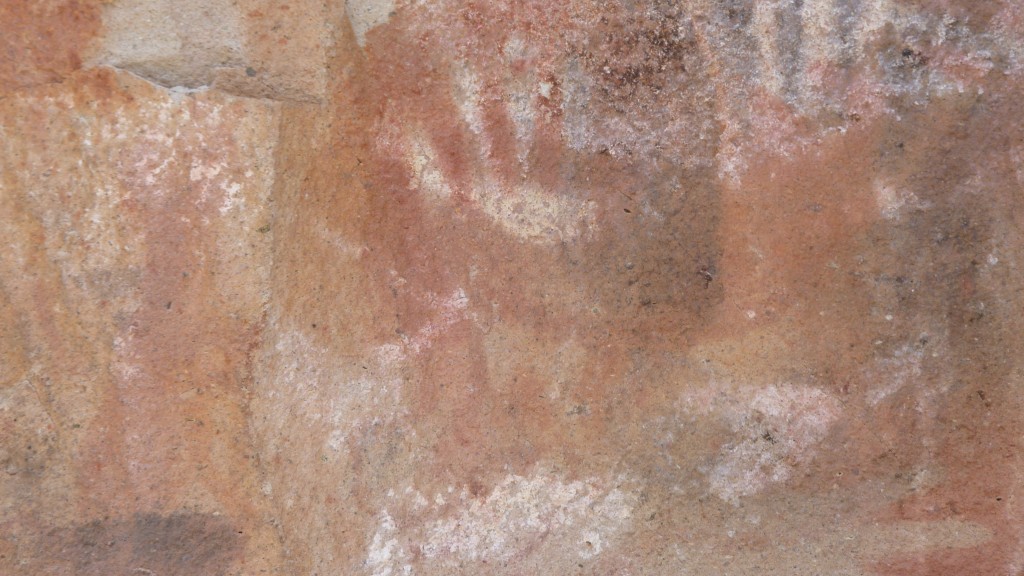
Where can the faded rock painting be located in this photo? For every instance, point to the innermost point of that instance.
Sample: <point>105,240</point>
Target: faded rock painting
<point>498,287</point>
<point>124,419</point>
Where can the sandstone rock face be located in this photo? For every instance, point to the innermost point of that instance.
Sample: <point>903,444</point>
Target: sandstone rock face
<point>256,48</point>
<point>134,279</point>
<point>384,288</point>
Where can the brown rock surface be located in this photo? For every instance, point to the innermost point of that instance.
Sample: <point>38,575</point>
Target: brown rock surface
<point>497,287</point>
<point>134,278</point>
<point>44,40</point>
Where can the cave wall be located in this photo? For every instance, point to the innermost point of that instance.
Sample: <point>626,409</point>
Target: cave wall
<point>490,287</point>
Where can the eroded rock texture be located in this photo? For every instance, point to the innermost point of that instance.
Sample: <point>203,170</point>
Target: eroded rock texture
<point>389,288</point>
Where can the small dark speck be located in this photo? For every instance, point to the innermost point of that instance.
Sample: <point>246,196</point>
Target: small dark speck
<point>914,58</point>
<point>708,273</point>
<point>167,306</point>
<point>627,210</point>
<point>250,71</point>
<point>314,324</point>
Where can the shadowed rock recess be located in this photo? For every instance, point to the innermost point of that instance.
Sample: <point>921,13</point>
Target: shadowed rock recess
<point>511,287</point>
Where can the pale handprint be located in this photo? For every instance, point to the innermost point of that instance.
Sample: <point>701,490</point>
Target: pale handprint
<point>836,62</point>
<point>516,203</point>
<point>750,90</point>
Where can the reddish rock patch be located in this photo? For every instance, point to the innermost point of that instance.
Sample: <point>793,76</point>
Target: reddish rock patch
<point>45,40</point>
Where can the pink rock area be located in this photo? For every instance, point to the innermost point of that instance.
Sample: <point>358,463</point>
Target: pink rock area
<point>389,287</point>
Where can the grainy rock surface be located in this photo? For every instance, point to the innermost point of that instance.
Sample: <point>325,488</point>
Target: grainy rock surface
<point>390,288</point>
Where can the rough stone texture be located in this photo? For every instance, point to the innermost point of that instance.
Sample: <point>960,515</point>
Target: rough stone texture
<point>44,40</point>
<point>634,288</point>
<point>134,275</point>
<point>261,48</point>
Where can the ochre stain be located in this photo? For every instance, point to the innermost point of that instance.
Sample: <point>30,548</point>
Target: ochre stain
<point>974,443</point>
<point>146,397</point>
<point>45,40</point>
<point>635,283</point>
<point>653,301</point>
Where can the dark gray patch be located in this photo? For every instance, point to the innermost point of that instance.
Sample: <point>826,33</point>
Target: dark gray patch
<point>183,544</point>
<point>790,48</point>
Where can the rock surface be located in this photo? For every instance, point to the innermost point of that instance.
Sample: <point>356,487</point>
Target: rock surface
<point>384,288</point>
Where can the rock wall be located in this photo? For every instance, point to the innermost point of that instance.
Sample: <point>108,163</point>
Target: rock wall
<point>389,288</point>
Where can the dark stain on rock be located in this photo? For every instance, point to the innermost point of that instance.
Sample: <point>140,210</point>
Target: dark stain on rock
<point>179,544</point>
<point>946,250</point>
<point>645,50</point>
